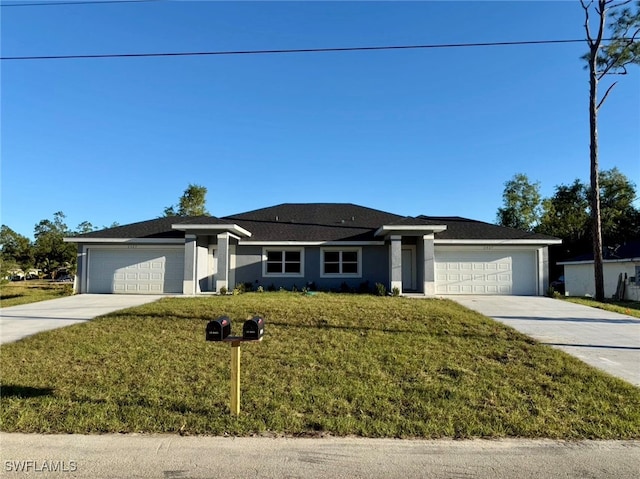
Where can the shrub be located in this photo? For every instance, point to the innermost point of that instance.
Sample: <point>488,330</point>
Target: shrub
<point>552,293</point>
<point>272,287</point>
<point>223,290</point>
<point>260,289</point>
<point>381,289</point>
<point>395,291</point>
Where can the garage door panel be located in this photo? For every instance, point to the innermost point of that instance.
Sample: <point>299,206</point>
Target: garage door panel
<point>502,272</point>
<point>135,271</point>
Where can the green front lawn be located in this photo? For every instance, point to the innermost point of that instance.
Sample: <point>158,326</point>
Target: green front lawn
<point>329,364</point>
<point>14,293</point>
<point>630,308</point>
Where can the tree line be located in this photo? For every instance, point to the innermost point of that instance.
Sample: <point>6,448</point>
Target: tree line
<point>566,214</point>
<point>49,254</point>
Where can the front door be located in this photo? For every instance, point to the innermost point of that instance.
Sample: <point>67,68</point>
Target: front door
<point>408,268</point>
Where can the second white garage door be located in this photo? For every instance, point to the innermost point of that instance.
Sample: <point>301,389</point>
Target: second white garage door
<point>486,272</point>
<point>135,271</point>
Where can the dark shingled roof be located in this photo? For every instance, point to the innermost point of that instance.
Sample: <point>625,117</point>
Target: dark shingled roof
<point>464,228</point>
<point>313,222</point>
<point>318,222</point>
<point>157,228</point>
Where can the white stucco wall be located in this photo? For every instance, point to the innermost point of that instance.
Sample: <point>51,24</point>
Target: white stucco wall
<point>579,279</point>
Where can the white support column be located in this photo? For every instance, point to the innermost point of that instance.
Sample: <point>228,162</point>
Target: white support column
<point>395,262</point>
<point>80,284</point>
<point>543,270</point>
<point>232,266</point>
<point>429,286</point>
<point>189,279</point>
<point>222,275</point>
<point>202,267</point>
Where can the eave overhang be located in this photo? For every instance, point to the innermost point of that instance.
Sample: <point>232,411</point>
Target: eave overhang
<point>75,239</point>
<point>409,230</point>
<point>590,261</point>
<point>212,229</point>
<point>498,242</point>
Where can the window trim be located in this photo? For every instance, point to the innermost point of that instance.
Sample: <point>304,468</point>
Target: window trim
<point>341,250</point>
<point>282,249</point>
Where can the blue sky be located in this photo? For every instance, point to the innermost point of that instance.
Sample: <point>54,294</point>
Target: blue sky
<point>435,132</point>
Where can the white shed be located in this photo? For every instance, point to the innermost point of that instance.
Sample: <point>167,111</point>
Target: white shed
<point>579,277</point>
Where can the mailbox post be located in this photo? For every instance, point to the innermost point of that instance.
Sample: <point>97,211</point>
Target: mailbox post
<point>234,402</point>
<point>219,330</point>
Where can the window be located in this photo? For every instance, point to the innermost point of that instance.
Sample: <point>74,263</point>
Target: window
<point>283,262</point>
<point>341,262</point>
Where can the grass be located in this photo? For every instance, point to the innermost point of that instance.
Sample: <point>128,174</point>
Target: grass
<point>329,364</point>
<point>630,308</point>
<point>14,293</point>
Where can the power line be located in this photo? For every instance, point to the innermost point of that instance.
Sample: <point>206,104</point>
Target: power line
<point>82,2</point>
<point>292,50</point>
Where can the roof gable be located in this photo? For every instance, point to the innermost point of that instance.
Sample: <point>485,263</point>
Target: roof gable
<point>313,222</point>
<point>459,228</point>
<point>318,222</point>
<point>156,228</point>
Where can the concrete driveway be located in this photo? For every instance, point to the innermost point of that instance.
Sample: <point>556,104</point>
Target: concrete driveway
<point>608,341</point>
<point>17,322</point>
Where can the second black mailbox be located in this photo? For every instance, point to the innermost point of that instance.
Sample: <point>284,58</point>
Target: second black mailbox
<point>218,329</point>
<point>253,328</point>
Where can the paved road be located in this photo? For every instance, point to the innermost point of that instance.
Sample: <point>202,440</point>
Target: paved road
<point>608,341</point>
<point>175,457</point>
<point>17,322</point>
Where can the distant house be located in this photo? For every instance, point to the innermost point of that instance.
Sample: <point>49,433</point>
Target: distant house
<point>19,274</point>
<point>325,245</point>
<point>624,260</point>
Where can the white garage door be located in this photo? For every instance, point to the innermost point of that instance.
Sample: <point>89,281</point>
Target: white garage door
<point>135,271</point>
<point>486,272</point>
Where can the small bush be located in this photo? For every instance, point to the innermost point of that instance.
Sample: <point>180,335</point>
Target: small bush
<point>223,290</point>
<point>552,293</point>
<point>272,287</point>
<point>381,289</point>
<point>260,289</point>
<point>395,291</point>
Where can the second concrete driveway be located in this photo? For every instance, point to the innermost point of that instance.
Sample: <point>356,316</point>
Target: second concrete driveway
<point>17,322</point>
<point>608,341</point>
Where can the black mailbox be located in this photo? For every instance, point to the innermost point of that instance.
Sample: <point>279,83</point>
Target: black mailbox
<point>218,329</point>
<point>253,328</point>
